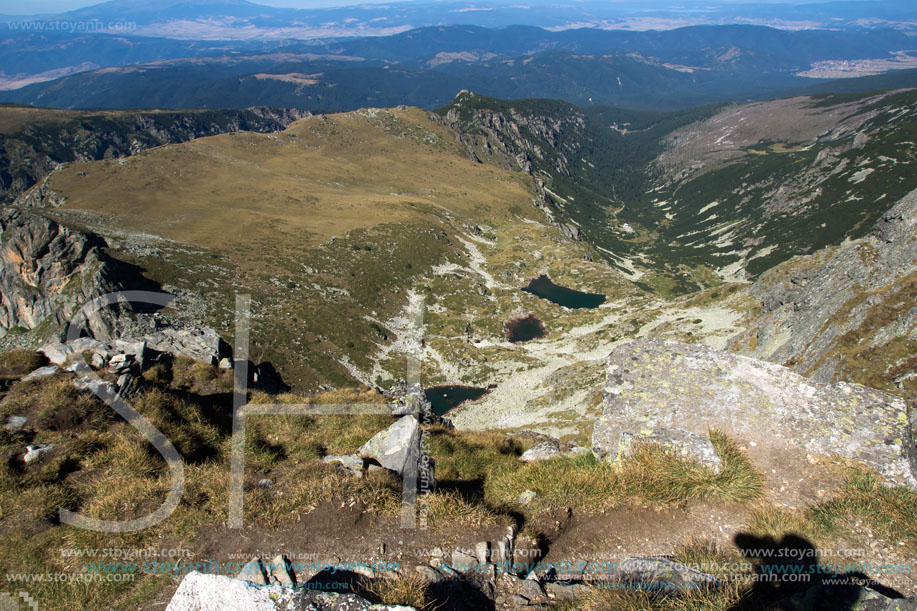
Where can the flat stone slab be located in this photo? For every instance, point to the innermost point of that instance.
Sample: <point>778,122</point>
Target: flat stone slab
<point>667,390</point>
<point>41,372</point>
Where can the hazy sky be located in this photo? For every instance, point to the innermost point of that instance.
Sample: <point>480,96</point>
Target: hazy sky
<point>31,7</point>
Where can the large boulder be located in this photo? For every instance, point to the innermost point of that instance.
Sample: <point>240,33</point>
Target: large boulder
<point>394,447</point>
<point>670,391</point>
<point>202,592</point>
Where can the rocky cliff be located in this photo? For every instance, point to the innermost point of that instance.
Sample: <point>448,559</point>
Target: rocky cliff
<point>48,271</point>
<point>542,143</point>
<point>847,312</point>
<point>515,140</point>
<point>31,153</point>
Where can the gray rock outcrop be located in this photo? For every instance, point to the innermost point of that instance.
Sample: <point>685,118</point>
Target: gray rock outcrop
<point>861,293</point>
<point>133,353</point>
<point>200,344</point>
<point>541,451</point>
<point>48,271</point>
<point>671,391</point>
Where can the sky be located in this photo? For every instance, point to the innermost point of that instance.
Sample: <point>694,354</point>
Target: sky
<point>33,7</point>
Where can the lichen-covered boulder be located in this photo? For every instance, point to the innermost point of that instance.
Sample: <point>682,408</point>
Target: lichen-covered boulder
<point>673,393</point>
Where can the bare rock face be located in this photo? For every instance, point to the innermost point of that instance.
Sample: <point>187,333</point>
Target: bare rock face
<point>861,292</point>
<point>670,392</point>
<point>200,592</point>
<point>48,271</point>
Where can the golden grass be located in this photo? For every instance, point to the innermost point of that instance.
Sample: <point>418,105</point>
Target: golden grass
<point>652,475</point>
<point>14,118</point>
<point>890,511</point>
<point>449,509</point>
<point>766,521</point>
<point>304,484</point>
<point>323,176</point>
<point>701,555</point>
<point>15,363</point>
<point>697,599</point>
<point>54,404</point>
<point>659,476</point>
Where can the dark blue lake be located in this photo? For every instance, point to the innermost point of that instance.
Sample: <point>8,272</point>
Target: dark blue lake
<point>561,295</point>
<point>444,398</point>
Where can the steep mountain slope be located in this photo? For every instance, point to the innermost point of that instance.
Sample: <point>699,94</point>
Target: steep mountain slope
<point>807,173</point>
<point>848,312</point>
<point>48,272</point>
<point>737,190</point>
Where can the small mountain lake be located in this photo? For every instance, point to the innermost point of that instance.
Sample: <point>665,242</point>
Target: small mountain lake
<point>444,398</point>
<point>561,295</point>
<point>523,328</point>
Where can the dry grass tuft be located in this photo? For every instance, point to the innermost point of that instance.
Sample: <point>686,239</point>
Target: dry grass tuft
<point>659,477</point>
<point>451,510</point>
<point>410,589</point>
<point>891,511</point>
<point>16,363</point>
<point>652,475</point>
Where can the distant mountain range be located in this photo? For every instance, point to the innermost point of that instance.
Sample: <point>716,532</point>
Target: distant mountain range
<point>426,67</point>
<point>238,19</point>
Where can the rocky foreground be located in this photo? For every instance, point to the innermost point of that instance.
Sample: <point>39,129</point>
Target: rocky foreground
<point>673,394</point>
